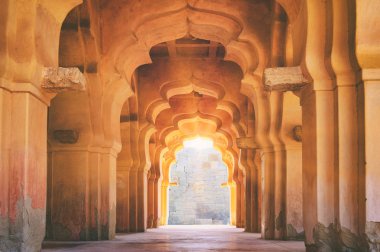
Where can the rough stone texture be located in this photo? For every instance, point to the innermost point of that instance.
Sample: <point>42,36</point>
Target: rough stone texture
<point>284,79</point>
<point>26,233</point>
<point>326,239</point>
<point>293,234</point>
<point>199,197</point>
<point>55,80</point>
<point>373,235</point>
<point>351,241</point>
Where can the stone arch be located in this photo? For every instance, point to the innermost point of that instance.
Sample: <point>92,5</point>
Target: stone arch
<point>248,49</point>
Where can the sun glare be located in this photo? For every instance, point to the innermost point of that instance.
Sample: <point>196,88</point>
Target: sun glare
<point>198,143</point>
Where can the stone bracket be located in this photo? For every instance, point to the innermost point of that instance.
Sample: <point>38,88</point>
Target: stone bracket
<point>246,143</point>
<point>284,79</point>
<point>60,79</point>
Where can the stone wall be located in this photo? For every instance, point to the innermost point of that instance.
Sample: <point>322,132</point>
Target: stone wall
<point>199,197</point>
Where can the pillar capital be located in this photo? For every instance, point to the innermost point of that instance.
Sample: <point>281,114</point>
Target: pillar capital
<point>284,79</point>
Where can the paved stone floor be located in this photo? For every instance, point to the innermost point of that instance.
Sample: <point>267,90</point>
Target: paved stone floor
<point>181,238</point>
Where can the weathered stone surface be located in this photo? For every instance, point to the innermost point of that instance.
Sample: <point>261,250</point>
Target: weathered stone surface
<point>59,79</point>
<point>351,241</point>
<point>372,230</point>
<point>27,232</point>
<point>66,136</point>
<point>284,79</point>
<point>246,143</point>
<point>326,238</point>
<point>292,234</point>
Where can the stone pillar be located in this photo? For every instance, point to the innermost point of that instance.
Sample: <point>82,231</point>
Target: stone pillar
<point>251,193</point>
<point>254,191</point>
<point>292,136</point>
<point>348,166</point>
<point>151,178</point>
<point>259,198</point>
<point>267,211</point>
<point>23,115</point>
<point>82,164</point>
<point>124,163</point>
<point>343,61</point>
<point>276,99</point>
<point>83,195</point>
<point>157,187</point>
<point>371,82</point>
<point>156,198</point>
<point>279,27</point>
<point>134,171</point>
<point>142,199</point>
<point>248,184</point>
<point>285,79</point>
<point>241,202</point>
<point>278,80</point>
<point>319,163</point>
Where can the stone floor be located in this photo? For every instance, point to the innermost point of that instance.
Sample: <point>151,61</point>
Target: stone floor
<point>182,238</point>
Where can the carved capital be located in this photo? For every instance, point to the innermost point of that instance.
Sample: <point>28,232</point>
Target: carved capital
<point>284,79</point>
<point>59,79</point>
<point>246,143</point>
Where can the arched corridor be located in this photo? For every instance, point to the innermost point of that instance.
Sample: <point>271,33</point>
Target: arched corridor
<point>98,98</point>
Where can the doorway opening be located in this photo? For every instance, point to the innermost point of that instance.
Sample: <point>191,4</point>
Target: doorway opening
<point>198,192</point>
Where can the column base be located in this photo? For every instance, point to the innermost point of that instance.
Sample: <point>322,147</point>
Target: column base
<point>372,230</point>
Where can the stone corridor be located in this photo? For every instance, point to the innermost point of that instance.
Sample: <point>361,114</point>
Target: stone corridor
<point>181,238</point>
<point>97,98</point>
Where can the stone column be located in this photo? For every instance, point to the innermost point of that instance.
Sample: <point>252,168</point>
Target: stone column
<point>241,179</point>
<point>83,195</point>
<point>133,178</point>
<point>292,136</point>
<point>151,178</point>
<point>23,115</point>
<point>276,99</point>
<point>251,189</point>
<point>343,61</point>
<point>138,197</point>
<point>82,166</point>
<point>256,190</point>
<point>348,166</point>
<point>156,196</point>
<point>248,184</point>
<point>371,83</point>
<point>319,163</point>
<point>157,187</point>
<point>279,80</point>
<point>267,207</point>
<point>124,163</point>
<point>151,187</point>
